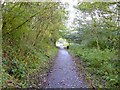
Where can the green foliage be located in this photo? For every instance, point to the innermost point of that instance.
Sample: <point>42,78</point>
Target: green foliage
<point>101,64</point>
<point>89,6</point>
<point>98,26</point>
<point>29,33</point>
<point>96,38</point>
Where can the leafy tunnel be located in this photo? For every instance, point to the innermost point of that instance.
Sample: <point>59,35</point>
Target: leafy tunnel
<point>30,31</point>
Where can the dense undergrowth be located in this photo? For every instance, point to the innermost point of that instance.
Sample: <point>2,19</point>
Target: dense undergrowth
<point>20,66</point>
<point>96,41</point>
<point>29,33</point>
<point>101,64</point>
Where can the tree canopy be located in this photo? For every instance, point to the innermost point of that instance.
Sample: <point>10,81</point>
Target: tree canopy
<point>29,33</point>
<point>96,34</point>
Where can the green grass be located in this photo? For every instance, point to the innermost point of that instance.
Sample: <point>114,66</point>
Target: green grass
<point>21,64</point>
<point>101,64</point>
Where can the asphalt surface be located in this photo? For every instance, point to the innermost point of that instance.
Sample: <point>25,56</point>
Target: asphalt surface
<point>63,73</point>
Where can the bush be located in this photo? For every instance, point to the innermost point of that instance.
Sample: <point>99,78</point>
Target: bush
<point>100,63</point>
<point>20,64</point>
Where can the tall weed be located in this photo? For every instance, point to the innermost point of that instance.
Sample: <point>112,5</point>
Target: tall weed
<point>100,63</point>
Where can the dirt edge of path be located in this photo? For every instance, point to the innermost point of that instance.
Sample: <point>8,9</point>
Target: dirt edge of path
<point>38,79</point>
<point>51,63</point>
<point>80,69</point>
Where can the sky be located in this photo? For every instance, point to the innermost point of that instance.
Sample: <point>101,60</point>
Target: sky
<point>71,11</point>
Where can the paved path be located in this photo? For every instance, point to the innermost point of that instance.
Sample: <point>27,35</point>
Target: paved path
<point>63,74</point>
